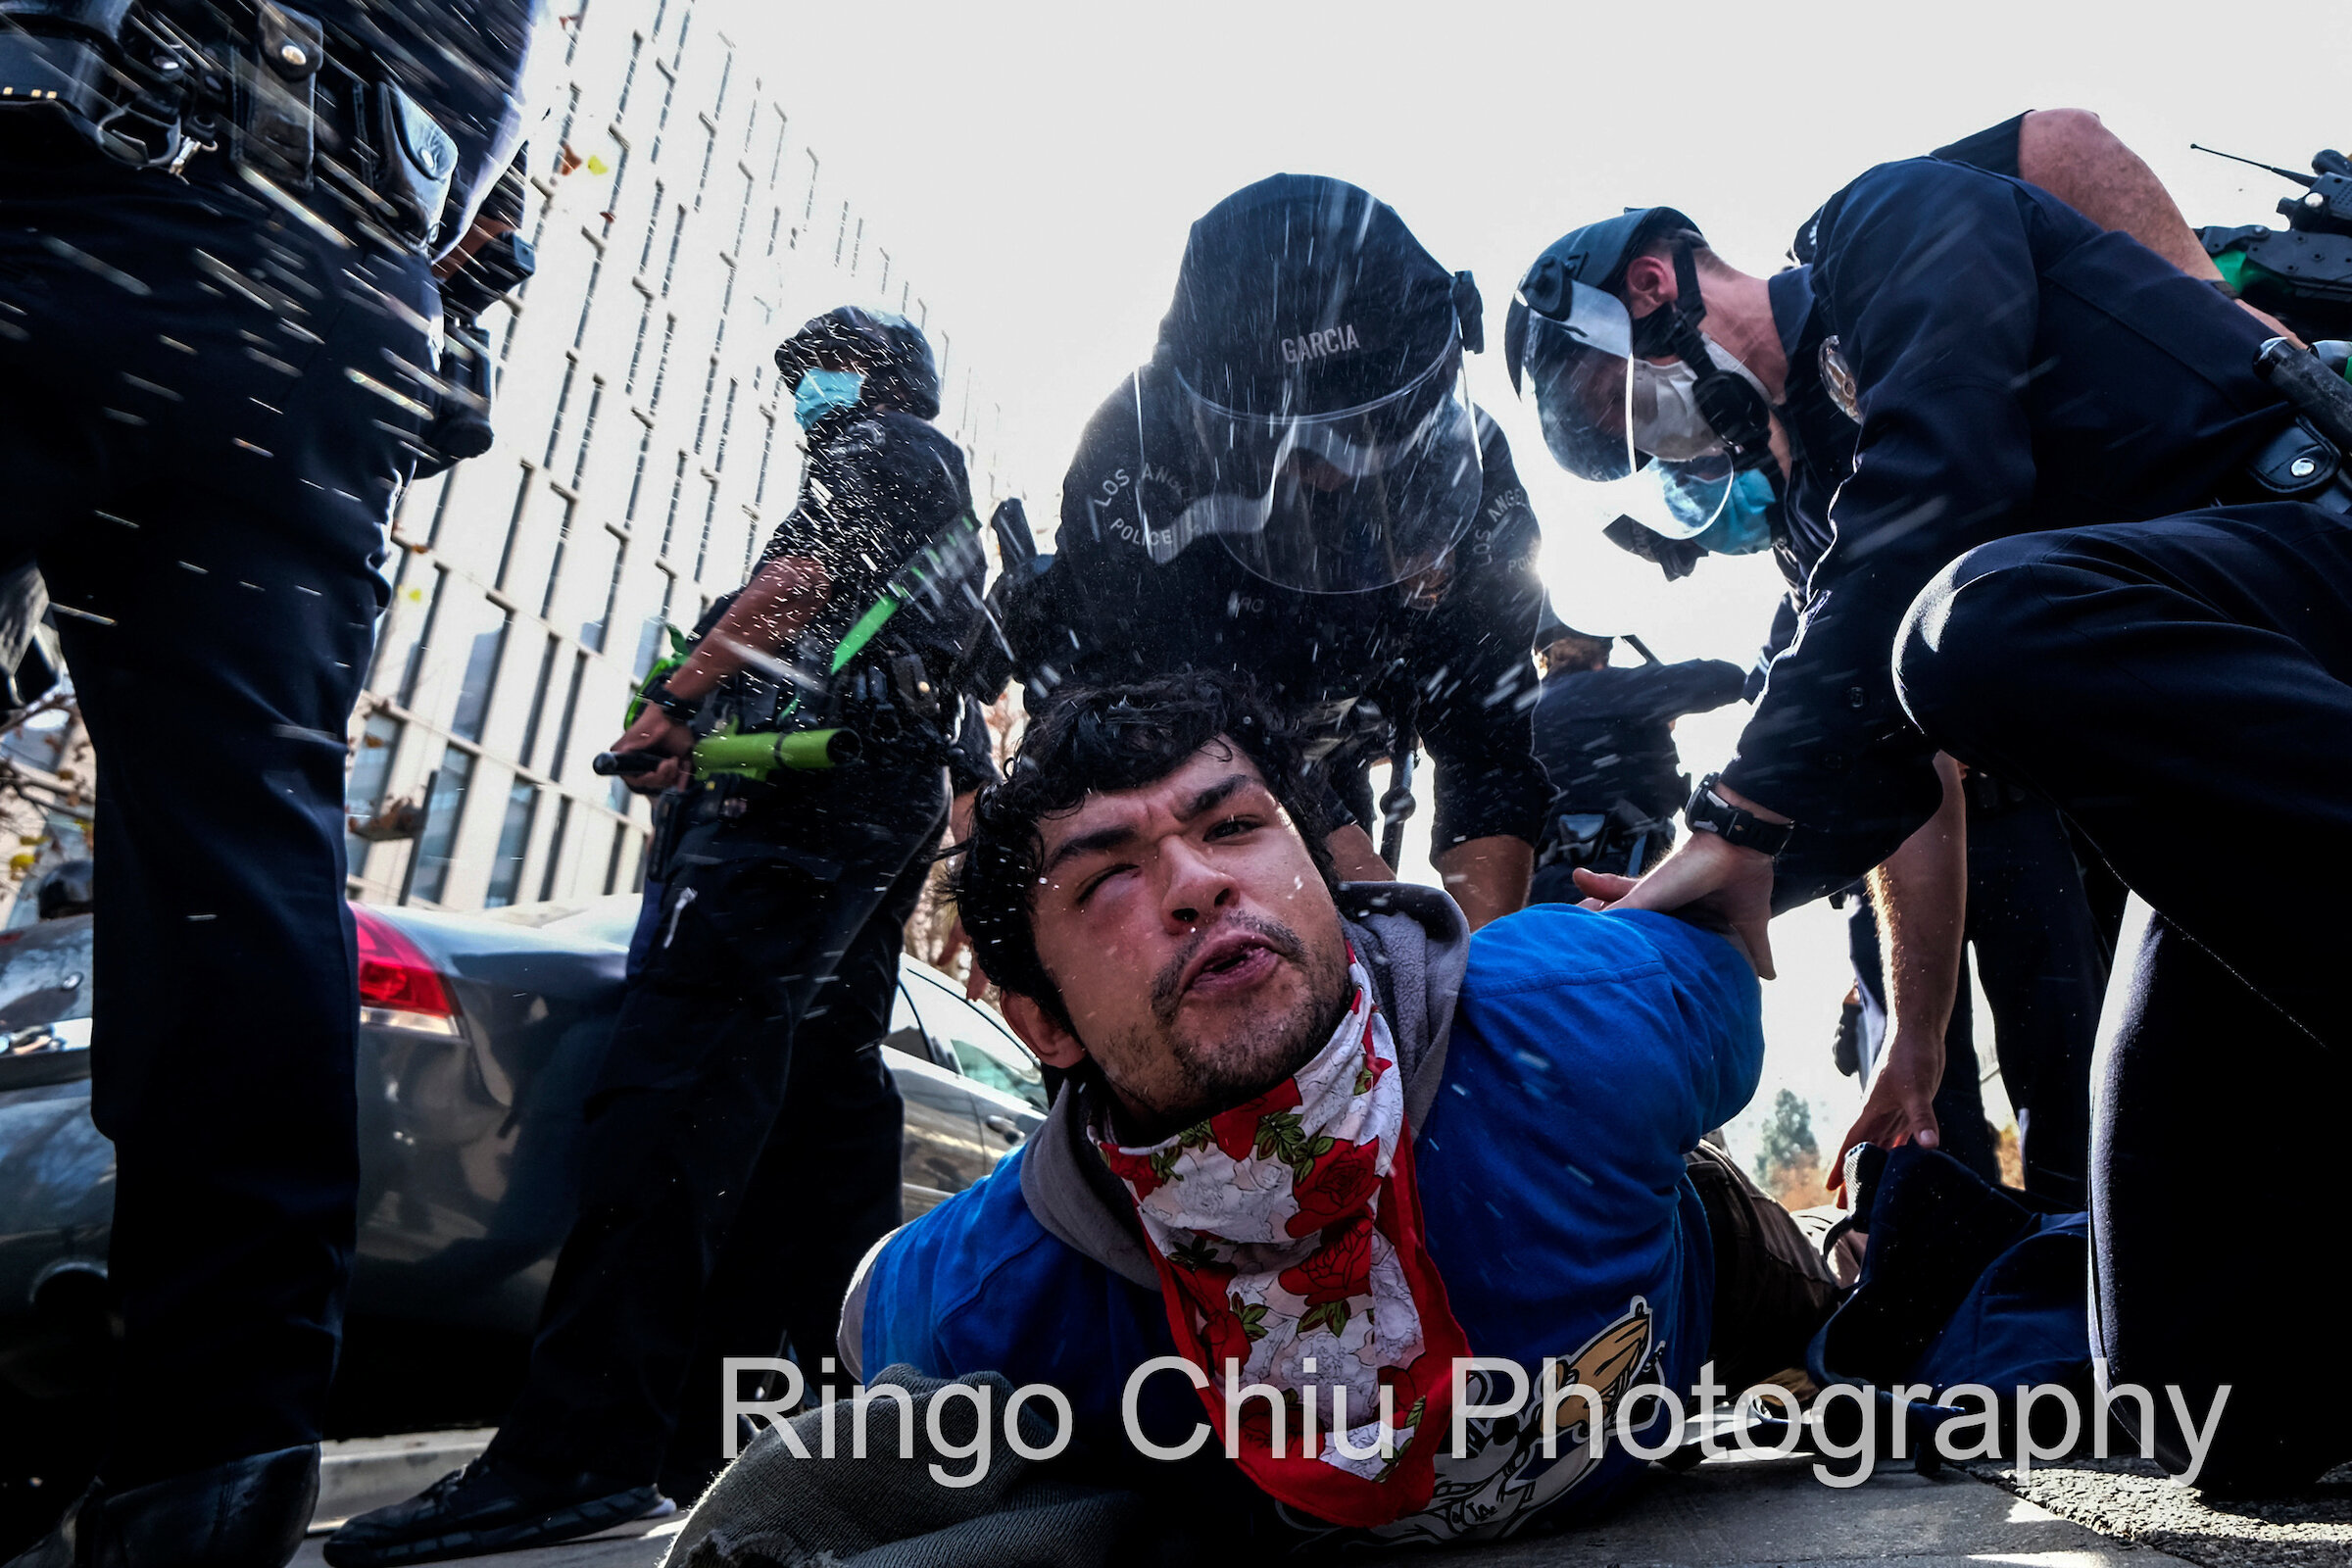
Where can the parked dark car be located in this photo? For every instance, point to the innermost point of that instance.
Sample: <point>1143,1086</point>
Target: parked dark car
<point>479,1037</point>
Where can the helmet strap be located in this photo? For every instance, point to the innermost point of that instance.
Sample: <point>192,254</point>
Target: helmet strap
<point>1734,408</point>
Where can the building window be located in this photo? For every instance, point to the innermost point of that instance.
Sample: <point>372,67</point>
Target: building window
<point>620,175</point>
<point>645,450</point>
<point>775,159</point>
<point>572,112</point>
<point>808,208</point>
<point>775,227</point>
<point>768,451</point>
<point>841,235</point>
<point>726,75</point>
<point>595,402</point>
<point>701,421</point>
<point>882,287</point>
<point>555,562</point>
<point>554,425</point>
<point>685,27</point>
<point>579,22</point>
<point>677,233</point>
<point>645,320</point>
<point>422,650</point>
<point>481,679</point>
<point>726,426</point>
<point>653,228</point>
<point>444,809</point>
<point>628,76</point>
<point>856,247</point>
<point>530,727</point>
<point>702,550</point>
<point>572,709</point>
<point>555,848</point>
<point>743,213</point>
<point>670,334</point>
<point>669,93</point>
<point>650,641</point>
<point>669,522</point>
<point>622,834</point>
<point>371,767</point>
<point>593,633</point>
<point>596,271</point>
<point>514,843</point>
<point>701,180</point>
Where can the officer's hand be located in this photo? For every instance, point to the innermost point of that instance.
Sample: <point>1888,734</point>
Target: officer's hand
<point>1900,1106</point>
<point>1719,883</point>
<point>656,731</point>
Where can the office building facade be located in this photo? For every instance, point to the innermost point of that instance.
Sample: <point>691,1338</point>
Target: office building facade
<point>683,224</point>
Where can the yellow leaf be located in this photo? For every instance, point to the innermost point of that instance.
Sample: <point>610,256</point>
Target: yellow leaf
<point>597,166</point>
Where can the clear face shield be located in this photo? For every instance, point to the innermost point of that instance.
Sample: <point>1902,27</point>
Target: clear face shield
<point>1618,420</point>
<point>1347,502</point>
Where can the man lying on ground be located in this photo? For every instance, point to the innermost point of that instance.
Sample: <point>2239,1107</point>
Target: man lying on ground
<point>1320,1139</point>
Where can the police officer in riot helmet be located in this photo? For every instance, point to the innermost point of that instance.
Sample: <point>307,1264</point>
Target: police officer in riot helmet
<point>220,230</point>
<point>2015,425</point>
<point>1297,486</point>
<point>768,888</point>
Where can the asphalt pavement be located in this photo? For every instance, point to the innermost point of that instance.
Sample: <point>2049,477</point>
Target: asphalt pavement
<point>1751,1513</point>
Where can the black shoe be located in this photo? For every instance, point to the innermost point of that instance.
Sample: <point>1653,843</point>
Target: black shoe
<point>486,1508</point>
<point>248,1513</point>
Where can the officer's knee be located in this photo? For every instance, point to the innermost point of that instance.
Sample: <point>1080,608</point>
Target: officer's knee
<point>1956,659</point>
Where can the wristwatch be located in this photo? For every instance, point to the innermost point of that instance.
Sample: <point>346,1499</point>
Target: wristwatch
<point>1710,812</point>
<point>681,710</point>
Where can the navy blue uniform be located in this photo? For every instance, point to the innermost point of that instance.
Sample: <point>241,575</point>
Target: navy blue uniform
<point>2060,409</point>
<point>2040,950</point>
<point>1457,648</point>
<point>205,490</point>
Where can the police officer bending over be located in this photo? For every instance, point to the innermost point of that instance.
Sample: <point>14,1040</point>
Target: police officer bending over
<point>768,885</point>
<point>2030,571</point>
<point>217,233</point>
<point>1298,487</point>
<point>1605,737</point>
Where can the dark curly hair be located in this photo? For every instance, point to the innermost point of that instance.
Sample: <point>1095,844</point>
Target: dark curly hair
<point>1096,740</point>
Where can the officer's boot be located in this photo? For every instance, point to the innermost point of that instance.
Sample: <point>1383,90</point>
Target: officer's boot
<point>248,1513</point>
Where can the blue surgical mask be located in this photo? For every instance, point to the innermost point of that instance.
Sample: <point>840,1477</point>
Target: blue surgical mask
<point>823,392</point>
<point>1744,525</point>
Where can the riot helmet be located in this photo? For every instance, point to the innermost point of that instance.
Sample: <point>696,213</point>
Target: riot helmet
<point>1316,351</point>
<point>896,358</point>
<point>1607,410</point>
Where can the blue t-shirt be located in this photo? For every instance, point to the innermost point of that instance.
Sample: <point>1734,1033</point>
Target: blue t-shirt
<point>1589,1052</point>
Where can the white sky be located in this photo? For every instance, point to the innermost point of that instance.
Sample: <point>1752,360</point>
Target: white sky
<point>1037,167</point>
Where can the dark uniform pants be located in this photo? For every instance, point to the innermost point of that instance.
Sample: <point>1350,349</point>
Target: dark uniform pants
<point>2177,687</point>
<point>755,922</point>
<point>205,489</point>
<point>827,1187</point>
<point>2043,968</point>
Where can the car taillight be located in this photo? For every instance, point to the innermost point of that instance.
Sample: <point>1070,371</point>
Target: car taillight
<point>399,986</point>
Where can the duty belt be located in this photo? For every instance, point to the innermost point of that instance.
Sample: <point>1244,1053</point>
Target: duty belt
<point>293,106</point>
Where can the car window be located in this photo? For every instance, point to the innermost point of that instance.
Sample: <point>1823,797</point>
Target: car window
<point>45,974</point>
<point>985,1051</point>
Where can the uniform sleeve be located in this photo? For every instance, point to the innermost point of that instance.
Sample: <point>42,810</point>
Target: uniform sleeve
<point>1477,679</point>
<point>1693,686</point>
<point>1933,290</point>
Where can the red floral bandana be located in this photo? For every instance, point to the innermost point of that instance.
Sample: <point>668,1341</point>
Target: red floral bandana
<point>1288,1236</point>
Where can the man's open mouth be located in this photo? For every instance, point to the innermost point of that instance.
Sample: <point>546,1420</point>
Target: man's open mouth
<point>1229,962</point>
